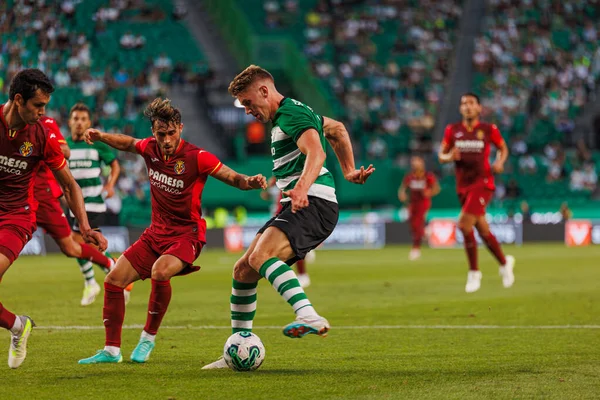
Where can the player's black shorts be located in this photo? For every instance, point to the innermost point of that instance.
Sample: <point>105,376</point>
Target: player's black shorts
<point>95,219</point>
<point>307,228</point>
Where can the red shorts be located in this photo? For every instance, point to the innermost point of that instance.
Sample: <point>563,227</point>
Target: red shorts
<point>51,217</point>
<point>14,235</point>
<point>149,247</point>
<point>475,200</point>
<point>418,210</point>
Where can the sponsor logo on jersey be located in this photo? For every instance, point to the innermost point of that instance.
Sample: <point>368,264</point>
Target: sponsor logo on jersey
<point>470,146</point>
<point>26,149</point>
<point>165,179</point>
<point>418,184</point>
<point>480,134</point>
<point>179,167</point>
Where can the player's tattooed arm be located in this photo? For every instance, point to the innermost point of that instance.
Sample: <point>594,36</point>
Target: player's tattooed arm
<point>240,181</point>
<point>339,139</point>
<point>74,198</point>
<point>115,140</point>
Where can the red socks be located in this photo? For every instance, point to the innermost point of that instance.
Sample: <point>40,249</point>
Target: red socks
<point>7,319</point>
<point>471,249</point>
<point>90,253</point>
<point>494,247</point>
<point>113,314</point>
<point>160,297</point>
<point>301,267</point>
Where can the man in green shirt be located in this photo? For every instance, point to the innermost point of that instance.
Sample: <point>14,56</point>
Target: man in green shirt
<point>86,163</point>
<point>310,209</point>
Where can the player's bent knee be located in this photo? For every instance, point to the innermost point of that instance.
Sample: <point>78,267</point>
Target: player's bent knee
<point>243,272</point>
<point>114,279</point>
<point>70,249</point>
<point>160,274</point>
<point>256,260</point>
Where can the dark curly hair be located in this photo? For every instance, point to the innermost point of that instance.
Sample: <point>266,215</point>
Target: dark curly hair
<point>161,109</point>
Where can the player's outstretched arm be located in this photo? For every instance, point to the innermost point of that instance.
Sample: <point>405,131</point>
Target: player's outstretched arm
<point>240,181</point>
<point>115,140</point>
<point>74,197</point>
<point>337,136</point>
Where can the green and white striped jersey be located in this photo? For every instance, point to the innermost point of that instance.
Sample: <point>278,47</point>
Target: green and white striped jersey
<point>291,120</point>
<point>85,165</point>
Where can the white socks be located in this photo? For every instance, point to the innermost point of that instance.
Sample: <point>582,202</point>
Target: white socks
<point>146,336</point>
<point>112,350</point>
<point>17,327</point>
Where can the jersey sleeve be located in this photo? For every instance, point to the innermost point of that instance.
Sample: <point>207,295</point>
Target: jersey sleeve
<point>208,163</point>
<point>140,146</point>
<point>448,139</point>
<point>107,153</point>
<point>431,180</point>
<point>295,123</point>
<point>53,156</point>
<point>54,131</point>
<point>496,137</point>
<point>406,180</point>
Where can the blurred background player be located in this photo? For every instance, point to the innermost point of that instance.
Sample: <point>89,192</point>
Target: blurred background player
<point>24,143</point>
<point>274,194</point>
<point>51,217</point>
<point>177,171</point>
<point>86,166</point>
<point>423,186</point>
<point>468,144</point>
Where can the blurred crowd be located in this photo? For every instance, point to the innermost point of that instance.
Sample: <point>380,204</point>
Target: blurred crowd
<point>386,61</point>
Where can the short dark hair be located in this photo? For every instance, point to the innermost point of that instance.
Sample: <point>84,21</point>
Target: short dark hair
<point>247,77</point>
<point>27,82</point>
<point>80,107</point>
<point>471,94</point>
<point>162,110</point>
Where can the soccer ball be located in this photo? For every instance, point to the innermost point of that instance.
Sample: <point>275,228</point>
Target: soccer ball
<point>244,351</point>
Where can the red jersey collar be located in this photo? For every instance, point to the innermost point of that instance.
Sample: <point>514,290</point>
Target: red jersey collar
<point>470,129</point>
<point>167,158</point>
<point>10,132</point>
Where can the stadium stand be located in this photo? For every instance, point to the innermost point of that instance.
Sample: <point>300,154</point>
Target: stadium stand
<point>536,69</point>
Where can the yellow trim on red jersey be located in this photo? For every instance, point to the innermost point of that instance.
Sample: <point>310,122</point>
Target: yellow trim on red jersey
<point>215,168</point>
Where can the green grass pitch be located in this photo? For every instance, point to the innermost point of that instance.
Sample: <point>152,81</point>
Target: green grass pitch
<point>399,330</point>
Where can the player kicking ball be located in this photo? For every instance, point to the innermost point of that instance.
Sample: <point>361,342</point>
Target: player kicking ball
<point>177,171</point>
<point>422,186</point>
<point>468,144</point>
<point>24,143</point>
<point>310,209</point>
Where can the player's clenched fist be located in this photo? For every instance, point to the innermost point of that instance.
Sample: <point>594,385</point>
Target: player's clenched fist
<point>95,238</point>
<point>92,135</point>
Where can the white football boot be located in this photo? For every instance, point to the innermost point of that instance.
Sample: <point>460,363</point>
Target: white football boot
<point>506,272</point>
<point>473,281</point>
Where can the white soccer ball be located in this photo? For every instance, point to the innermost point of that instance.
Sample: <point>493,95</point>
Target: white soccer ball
<point>244,351</point>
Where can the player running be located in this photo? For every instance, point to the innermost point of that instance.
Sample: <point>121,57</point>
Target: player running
<point>24,144</point>
<point>51,217</point>
<point>177,171</point>
<point>274,194</point>
<point>85,163</point>
<point>467,144</point>
<point>310,209</point>
<point>422,186</point>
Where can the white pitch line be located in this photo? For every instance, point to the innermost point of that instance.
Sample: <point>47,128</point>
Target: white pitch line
<point>360,327</point>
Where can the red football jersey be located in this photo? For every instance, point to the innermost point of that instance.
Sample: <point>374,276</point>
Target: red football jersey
<point>473,168</point>
<point>417,185</point>
<point>21,153</point>
<point>46,186</point>
<point>176,186</point>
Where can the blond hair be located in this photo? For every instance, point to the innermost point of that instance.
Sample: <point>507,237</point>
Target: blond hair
<point>161,109</point>
<point>247,77</point>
